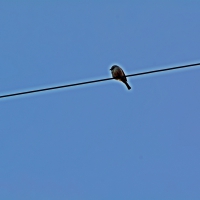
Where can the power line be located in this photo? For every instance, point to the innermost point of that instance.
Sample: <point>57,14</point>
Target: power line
<point>88,82</point>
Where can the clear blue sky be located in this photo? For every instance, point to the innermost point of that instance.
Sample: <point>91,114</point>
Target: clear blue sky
<point>99,141</point>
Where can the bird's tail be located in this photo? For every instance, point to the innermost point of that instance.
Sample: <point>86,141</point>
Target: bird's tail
<point>127,85</point>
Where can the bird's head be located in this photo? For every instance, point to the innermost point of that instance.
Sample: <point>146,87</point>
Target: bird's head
<point>113,67</point>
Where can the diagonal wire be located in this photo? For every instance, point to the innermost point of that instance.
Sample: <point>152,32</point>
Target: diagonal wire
<point>100,80</point>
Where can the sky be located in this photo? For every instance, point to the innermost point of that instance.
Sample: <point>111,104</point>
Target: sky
<point>100,140</point>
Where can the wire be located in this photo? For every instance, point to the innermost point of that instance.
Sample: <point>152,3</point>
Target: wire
<point>88,82</point>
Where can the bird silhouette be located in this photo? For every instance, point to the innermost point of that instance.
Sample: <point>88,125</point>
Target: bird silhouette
<point>118,74</point>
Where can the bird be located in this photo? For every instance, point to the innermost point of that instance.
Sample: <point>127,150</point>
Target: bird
<point>118,74</point>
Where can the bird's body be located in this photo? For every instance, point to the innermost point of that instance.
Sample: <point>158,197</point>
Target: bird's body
<point>118,74</point>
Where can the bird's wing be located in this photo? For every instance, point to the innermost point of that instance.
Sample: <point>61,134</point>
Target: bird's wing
<point>122,75</point>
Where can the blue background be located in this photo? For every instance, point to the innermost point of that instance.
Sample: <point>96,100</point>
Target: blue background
<point>99,141</point>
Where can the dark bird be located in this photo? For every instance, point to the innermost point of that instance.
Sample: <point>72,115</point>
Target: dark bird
<point>118,74</point>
